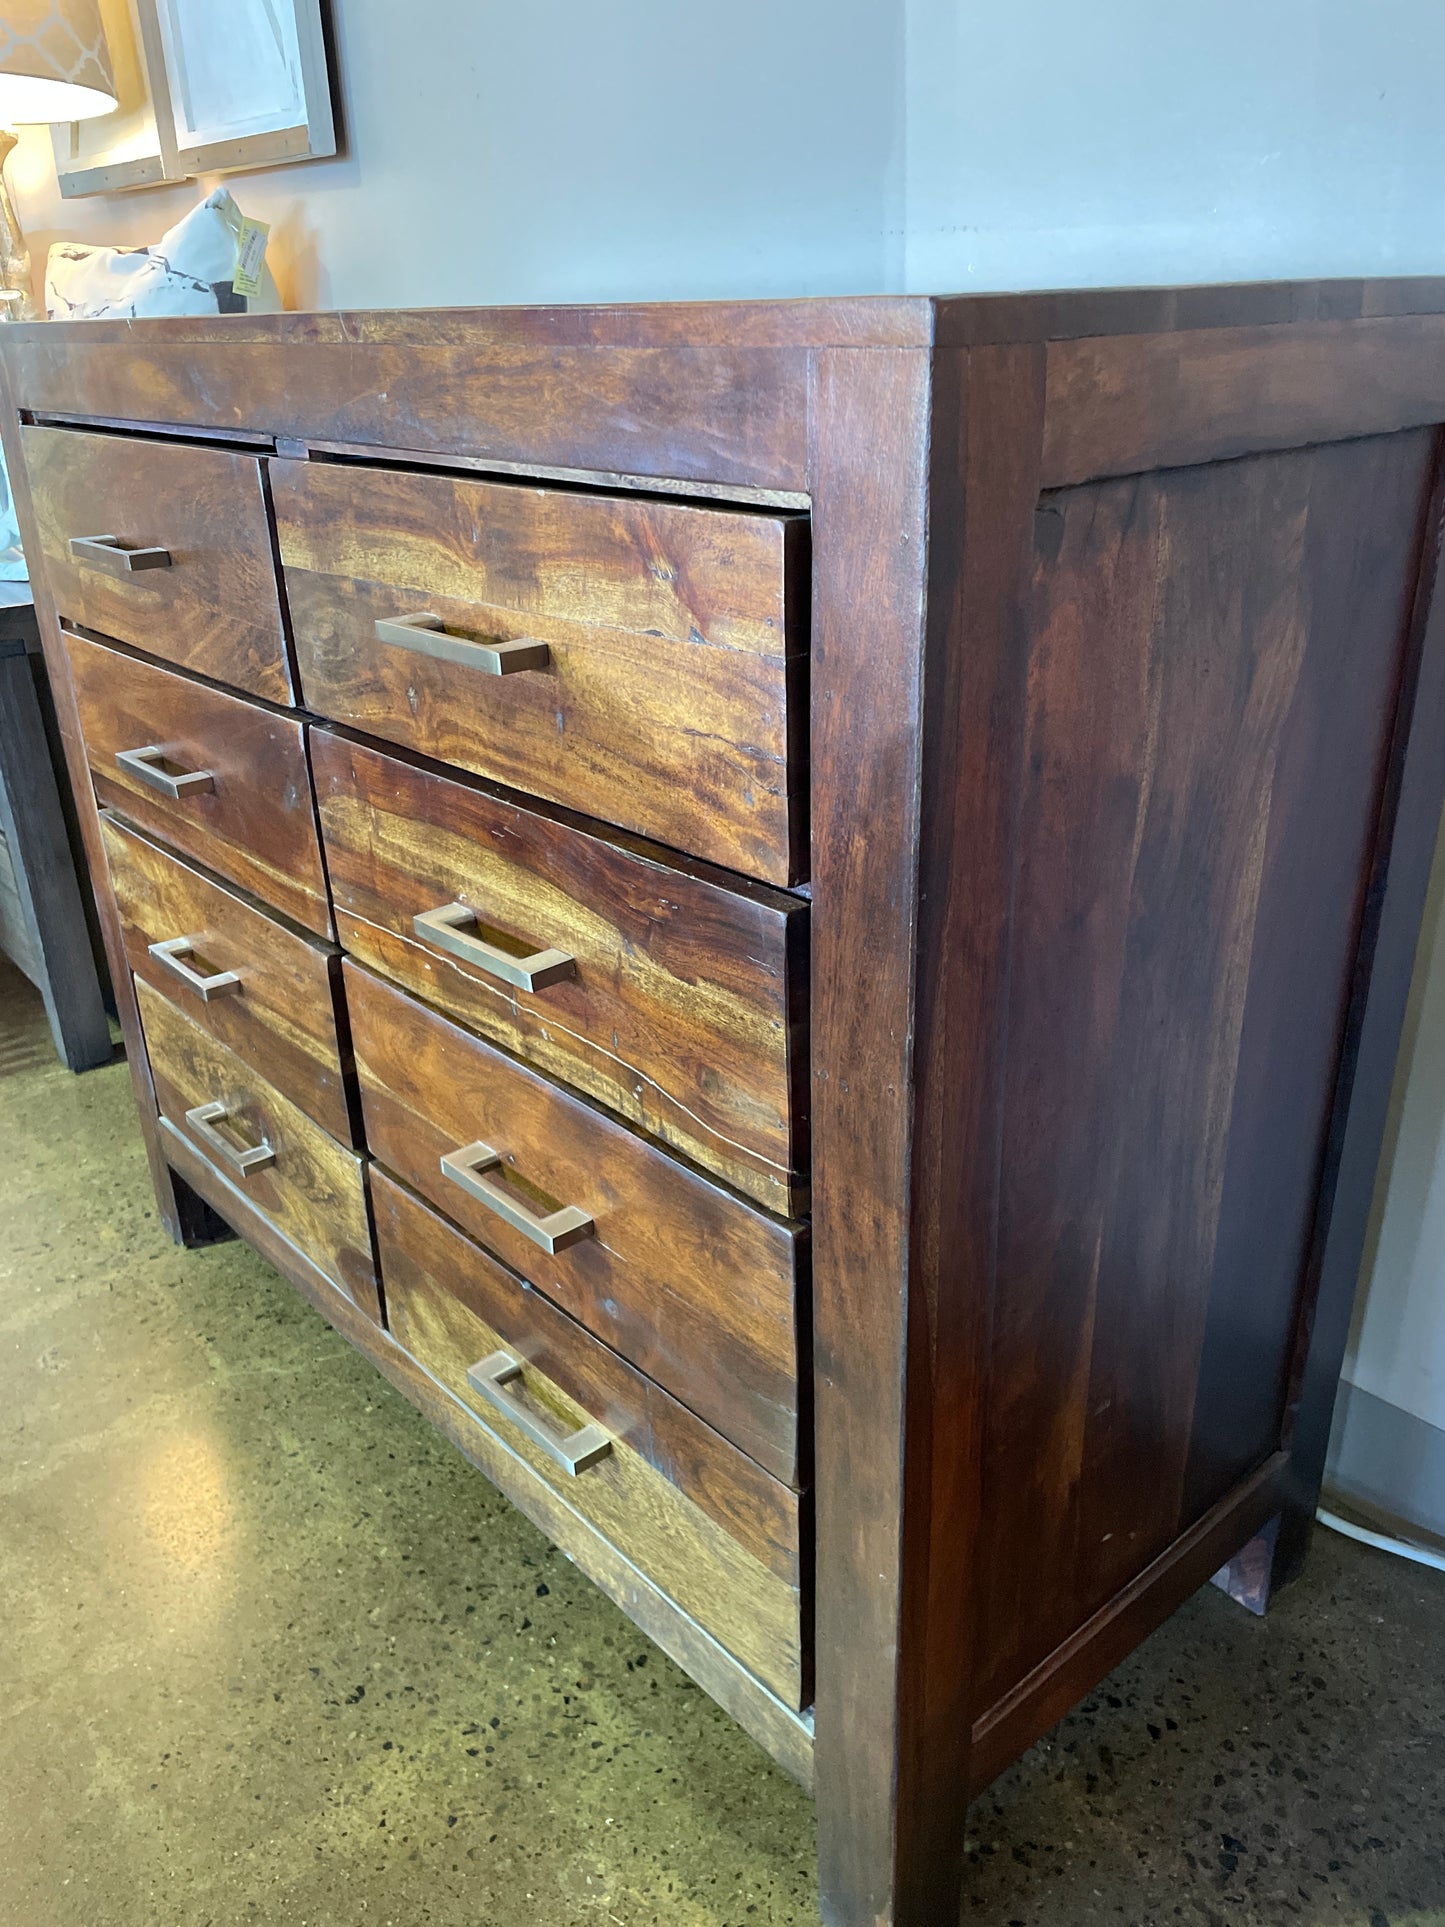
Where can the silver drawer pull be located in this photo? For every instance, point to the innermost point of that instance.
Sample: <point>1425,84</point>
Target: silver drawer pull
<point>106,552</point>
<point>241,1159</point>
<point>429,636</point>
<point>171,956</point>
<point>559,1229</point>
<point>573,1451</point>
<point>445,929</point>
<point>143,764</point>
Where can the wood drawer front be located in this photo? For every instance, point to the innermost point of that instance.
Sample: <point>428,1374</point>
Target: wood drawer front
<point>257,825</point>
<point>278,1012</point>
<point>687,1509</point>
<point>214,606</point>
<point>695,1287</point>
<point>664,703</point>
<point>682,1003</point>
<point>313,1192</point>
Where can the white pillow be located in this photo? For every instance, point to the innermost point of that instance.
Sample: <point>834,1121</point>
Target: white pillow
<point>188,271</point>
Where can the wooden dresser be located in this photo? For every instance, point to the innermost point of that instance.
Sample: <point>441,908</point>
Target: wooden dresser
<point>796,916</point>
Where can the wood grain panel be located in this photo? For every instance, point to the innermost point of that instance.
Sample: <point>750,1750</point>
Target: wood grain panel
<point>1182,941</point>
<point>685,1011</point>
<point>216,609</point>
<point>782,1732</point>
<point>983,489</point>
<point>693,1286</point>
<point>281,1020</point>
<point>1360,562</point>
<point>1125,403</point>
<point>681,1548</point>
<point>664,706</point>
<point>314,1193</point>
<point>184,1215</point>
<point>257,827</point>
<point>872,420</point>
<point>760,1512</point>
<point>711,412</point>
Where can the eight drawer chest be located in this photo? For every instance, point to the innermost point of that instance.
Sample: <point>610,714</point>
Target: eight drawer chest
<point>796,916</point>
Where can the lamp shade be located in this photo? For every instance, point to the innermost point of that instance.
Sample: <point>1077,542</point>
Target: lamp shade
<point>54,63</point>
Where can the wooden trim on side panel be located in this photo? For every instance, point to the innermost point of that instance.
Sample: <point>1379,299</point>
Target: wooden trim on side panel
<point>1076,1667</point>
<point>1123,404</point>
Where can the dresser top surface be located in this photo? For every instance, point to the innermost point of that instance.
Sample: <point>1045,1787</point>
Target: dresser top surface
<point>896,321</point>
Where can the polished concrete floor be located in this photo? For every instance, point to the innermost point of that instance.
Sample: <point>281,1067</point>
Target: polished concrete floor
<point>275,1654</point>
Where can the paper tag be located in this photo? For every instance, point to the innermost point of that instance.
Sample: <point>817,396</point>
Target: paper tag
<point>250,257</point>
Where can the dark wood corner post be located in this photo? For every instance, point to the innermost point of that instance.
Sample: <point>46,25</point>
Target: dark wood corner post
<point>918,692</point>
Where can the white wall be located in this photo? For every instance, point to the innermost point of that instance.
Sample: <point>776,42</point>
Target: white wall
<point>1127,141</point>
<point>566,150</point>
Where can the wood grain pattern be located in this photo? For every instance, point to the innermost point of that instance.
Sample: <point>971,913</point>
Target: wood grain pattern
<point>758,1511</point>
<point>985,435</point>
<point>258,827</point>
<point>665,703</point>
<point>694,1287</point>
<point>314,1192</point>
<point>1121,404</point>
<point>1213,670</point>
<point>712,411</point>
<point>682,1549</point>
<point>1101,1642</point>
<point>1360,566</point>
<point>215,609</point>
<point>781,1731</point>
<point>1108,801</point>
<point>184,1215</point>
<point>871,420</point>
<point>685,1013</point>
<point>282,1019</point>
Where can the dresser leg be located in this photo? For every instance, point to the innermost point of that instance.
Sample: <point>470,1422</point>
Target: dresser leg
<point>1250,1577</point>
<point>187,1217</point>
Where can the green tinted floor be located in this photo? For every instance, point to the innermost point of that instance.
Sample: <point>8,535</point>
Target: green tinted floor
<point>275,1654</point>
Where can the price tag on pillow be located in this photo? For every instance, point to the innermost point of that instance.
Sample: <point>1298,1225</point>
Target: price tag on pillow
<point>250,257</point>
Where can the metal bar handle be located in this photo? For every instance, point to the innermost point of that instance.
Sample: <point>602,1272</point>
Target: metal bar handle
<point>559,1229</point>
<point>445,929</point>
<point>428,635</point>
<point>243,1160</point>
<point>171,956</point>
<point>573,1451</point>
<point>142,764</point>
<point>107,552</point>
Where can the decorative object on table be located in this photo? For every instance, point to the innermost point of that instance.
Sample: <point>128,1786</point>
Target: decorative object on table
<point>47,918</point>
<point>203,89</point>
<point>195,268</point>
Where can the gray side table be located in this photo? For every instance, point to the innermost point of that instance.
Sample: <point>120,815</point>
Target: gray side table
<point>44,926</point>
